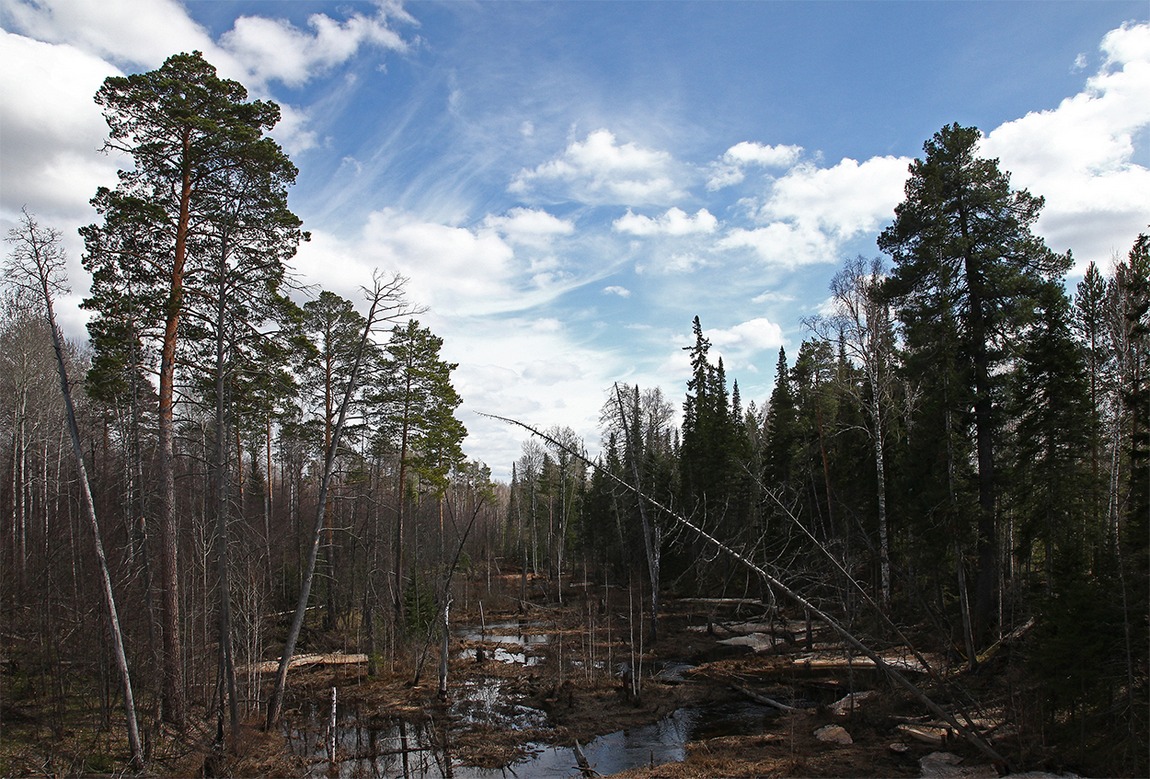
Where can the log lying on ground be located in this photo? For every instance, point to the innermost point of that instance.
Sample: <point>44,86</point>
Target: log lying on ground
<point>759,642</point>
<point>837,660</point>
<point>299,661</point>
<point>934,735</point>
<point>763,699</point>
<point>845,706</point>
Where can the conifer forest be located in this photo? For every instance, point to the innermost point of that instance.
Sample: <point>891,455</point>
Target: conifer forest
<point>239,498</point>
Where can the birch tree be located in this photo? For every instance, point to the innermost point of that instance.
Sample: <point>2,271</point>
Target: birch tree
<point>38,265</point>
<point>861,322</point>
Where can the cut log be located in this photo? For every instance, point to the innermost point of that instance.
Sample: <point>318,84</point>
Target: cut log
<point>759,642</point>
<point>834,660</point>
<point>847,705</point>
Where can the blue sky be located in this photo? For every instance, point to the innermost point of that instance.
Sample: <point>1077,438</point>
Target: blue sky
<point>567,184</point>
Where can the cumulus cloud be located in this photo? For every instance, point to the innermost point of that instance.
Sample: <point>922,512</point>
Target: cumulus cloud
<point>600,170</point>
<point>449,268</point>
<point>748,153</point>
<point>810,213</point>
<point>783,244</point>
<point>123,31</point>
<point>845,200</point>
<point>275,49</point>
<point>529,226</point>
<point>731,169</point>
<point>674,221</point>
<point>1082,156</point>
<point>256,50</point>
<point>622,292</point>
<point>52,128</point>
<point>753,335</point>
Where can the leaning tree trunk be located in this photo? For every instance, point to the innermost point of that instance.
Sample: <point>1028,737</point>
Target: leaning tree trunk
<point>849,638</point>
<point>42,260</point>
<point>275,704</point>
<point>105,577</point>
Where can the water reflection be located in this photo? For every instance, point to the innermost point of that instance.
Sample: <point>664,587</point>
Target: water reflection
<point>514,641</point>
<point>372,749</point>
<point>397,748</point>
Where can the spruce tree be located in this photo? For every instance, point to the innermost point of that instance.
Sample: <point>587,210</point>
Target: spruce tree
<point>965,256</point>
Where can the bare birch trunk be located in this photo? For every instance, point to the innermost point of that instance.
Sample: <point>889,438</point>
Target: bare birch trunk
<point>43,261</point>
<point>223,573</point>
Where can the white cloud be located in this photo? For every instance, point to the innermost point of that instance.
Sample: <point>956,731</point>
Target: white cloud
<point>529,226</point>
<point>1083,155</point>
<point>457,271</point>
<point>125,31</point>
<point>845,200</point>
<point>751,336</point>
<point>674,221</point>
<point>256,50</point>
<point>678,263</point>
<point>52,128</point>
<point>293,132</point>
<point>783,244</point>
<point>810,213</point>
<point>622,292</point>
<point>599,170</point>
<point>276,50</point>
<point>449,268</point>
<point>749,153</point>
<point>542,376</point>
<point>772,296</point>
<point>730,169</point>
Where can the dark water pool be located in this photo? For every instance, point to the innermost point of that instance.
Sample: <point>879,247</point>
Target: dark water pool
<point>394,748</point>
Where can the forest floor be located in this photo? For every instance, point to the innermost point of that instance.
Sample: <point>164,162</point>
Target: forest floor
<point>569,681</point>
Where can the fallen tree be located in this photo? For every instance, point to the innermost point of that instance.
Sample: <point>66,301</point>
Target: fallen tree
<point>894,675</point>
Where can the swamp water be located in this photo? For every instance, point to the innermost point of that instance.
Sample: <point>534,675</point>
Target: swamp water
<point>396,748</point>
<point>367,746</point>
